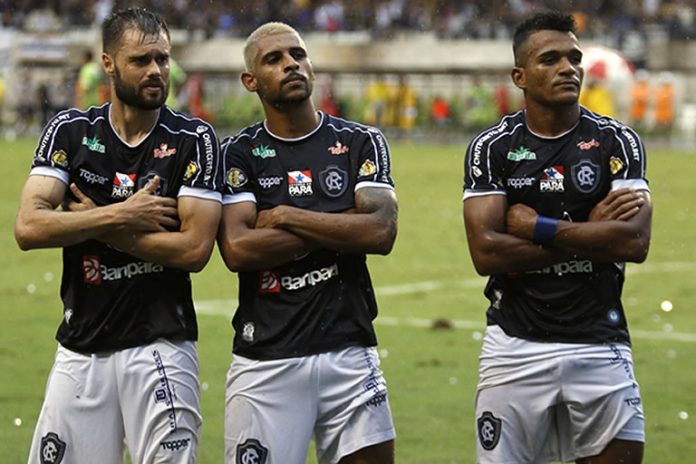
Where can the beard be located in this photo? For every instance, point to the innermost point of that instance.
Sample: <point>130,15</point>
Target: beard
<point>282,100</point>
<point>131,95</point>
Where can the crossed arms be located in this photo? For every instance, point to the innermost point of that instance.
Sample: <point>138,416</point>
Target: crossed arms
<point>251,240</point>
<point>137,226</point>
<point>500,238</point>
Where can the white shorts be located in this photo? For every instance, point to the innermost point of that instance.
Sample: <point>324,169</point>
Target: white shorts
<point>147,397</point>
<point>542,402</point>
<point>274,408</point>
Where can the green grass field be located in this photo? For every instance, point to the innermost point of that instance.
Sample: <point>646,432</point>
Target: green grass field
<point>431,373</point>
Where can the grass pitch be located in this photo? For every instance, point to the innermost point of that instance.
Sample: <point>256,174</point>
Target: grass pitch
<point>429,276</point>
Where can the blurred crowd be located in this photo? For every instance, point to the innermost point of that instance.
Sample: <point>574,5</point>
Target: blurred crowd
<point>446,18</point>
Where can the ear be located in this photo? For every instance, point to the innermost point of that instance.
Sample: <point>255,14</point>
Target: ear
<point>519,78</point>
<point>249,81</point>
<point>107,64</point>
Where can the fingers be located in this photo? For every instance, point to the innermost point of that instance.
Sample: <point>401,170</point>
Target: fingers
<point>152,185</point>
<point>78,193</point>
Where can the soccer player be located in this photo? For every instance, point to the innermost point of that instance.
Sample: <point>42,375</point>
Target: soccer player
<point>147,199</point>
<point>308,195</point>
<point>555,202</point>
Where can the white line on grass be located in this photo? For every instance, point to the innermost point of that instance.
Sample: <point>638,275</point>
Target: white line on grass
<point>226,307</point>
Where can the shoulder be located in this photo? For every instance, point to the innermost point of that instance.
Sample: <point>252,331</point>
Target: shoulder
<point>608,127</point>
<point>244,137</point>
<point>507,127</point>
<point>337,124</point>
<point>183,124</point>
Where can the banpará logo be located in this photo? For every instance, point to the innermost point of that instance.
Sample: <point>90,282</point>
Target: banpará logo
<point>262,151</point>
<point>521,154</point>
<point>93,144</point>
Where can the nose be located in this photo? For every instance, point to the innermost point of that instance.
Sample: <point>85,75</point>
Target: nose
<point>290,63</point>
<point>568,67</point>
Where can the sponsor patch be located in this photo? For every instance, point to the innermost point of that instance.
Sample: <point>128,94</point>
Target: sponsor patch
<point>60,158</point>
<point>587,145</point>
<point>124,185</point>
<point>521,154</point>
<point>489,430</point>
<point>269,183</point>
<point>585,175</point>
<point>93,144</point>
<point>248,332</point>
<point>615,165</point>
<point>477,171</point>
<point>163,151</point>
<point>552,180</point>
<point>52,449</point>
<point>520,182</point>
<point>176,445</point>
<point>368,168</point>
<point>200,129</point>
<point>252,452</point>
<point>191,170</point>
<point>338,149</point>
<point>236,177</point>
<point>300,183</point>
<point>93,178</point>
<point>262,151</point>
<point>91,270</point>
<point>333,181</point>
<point>269,282</point>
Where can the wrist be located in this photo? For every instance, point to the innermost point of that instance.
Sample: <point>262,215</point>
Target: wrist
<point>545,230</point>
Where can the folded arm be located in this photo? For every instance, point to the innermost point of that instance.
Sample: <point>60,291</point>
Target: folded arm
<point>369,228</point>
<point>40,225</point>
<point>245,248</point>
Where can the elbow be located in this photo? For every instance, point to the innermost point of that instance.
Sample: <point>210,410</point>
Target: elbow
<point>24,238</point>
<point>384,241</point>
<point>196,259</point>
<point>235,258</point>
<point>638,250</point>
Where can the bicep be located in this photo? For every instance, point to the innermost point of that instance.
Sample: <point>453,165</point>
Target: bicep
<point>41,192</point>
<point>484,215</point>
<point>199,216</point>
<point>376,200</point>
<point>237,218</point>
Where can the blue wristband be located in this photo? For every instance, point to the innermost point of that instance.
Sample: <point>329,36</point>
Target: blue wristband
<point>545,230</point>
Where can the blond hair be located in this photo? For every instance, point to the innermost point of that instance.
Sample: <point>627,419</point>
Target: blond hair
<point>271,28</point>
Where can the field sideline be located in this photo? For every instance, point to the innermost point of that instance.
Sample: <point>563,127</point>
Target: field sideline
<point>428,277</point>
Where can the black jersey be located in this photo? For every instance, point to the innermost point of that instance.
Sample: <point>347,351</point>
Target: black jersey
<point>562,177</point>
<point>111,299</point>
<point>323,301</point>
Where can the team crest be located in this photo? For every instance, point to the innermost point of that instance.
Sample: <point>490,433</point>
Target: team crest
<point>236,177</point>
<point>52,449</point>
<point>333,181</point>
<point>300,183</point>
<point>489,428</point>
<point>368,168</point>
<point>60,158</point>
<point>251,452</point>
<point>585,176</point>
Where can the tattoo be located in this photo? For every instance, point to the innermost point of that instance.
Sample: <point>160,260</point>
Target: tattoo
<point>381,201</point>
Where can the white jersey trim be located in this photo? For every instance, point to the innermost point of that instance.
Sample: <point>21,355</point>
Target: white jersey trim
<point>474,193</point>
<point>360,185</point>
<point>635,184</point>
<point>201,193</point>
<point>51,172</point>
<point>230,199</point>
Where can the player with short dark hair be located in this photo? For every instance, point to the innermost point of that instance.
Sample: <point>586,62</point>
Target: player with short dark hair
<point>308,195</point>
<point>555,202</point>
<point>142,189</point>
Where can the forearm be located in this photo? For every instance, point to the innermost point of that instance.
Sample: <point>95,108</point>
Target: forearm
<point>607,241</point>
<point>44,227</point>
<point>257,249</point>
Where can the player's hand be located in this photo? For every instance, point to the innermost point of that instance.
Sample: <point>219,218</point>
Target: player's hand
<point>270,218</point>
<point>146,212</point>
<point>520,221</point>
<point>618,205</point>
<point>83,202</point>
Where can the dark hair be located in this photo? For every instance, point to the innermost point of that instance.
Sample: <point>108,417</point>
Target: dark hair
<point>545,21</point>
<point>146,21</point>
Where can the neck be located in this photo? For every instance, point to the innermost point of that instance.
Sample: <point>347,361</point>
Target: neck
<point>291,122</point>
<point>132,124</point>
<point>551,122</point>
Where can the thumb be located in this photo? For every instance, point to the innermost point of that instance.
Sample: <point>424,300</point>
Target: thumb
<point>78,193</point>
<point>152,185</point>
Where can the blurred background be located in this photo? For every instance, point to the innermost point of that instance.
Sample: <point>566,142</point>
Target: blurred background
<point>415,68</point>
